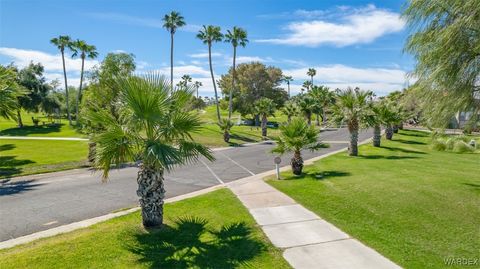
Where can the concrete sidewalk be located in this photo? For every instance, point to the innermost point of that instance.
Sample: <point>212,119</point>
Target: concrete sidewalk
<point>308,241</point>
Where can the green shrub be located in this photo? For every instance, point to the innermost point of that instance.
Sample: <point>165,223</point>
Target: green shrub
<point>439,145</point>
<point>462,147</point>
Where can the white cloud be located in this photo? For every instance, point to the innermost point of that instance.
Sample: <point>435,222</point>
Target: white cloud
<point>354,26</point>
<point>179,71</point>
<point>205,55</point>
<point>248,59</point>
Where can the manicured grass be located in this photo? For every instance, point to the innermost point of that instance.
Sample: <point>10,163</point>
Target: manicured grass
<point>414,205</point>
<point>23,157</point>
<point>209,231</point>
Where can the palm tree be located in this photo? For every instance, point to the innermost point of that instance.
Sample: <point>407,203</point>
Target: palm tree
<point>236,37</point>
<point>287,80</point>
<point>323,98</point>
<point>197,84</point>
<point>85,50</point>
<point>307,106</point>
<point>185,80</point>
<point>9,93</point>
<point>171,22</point>
<point>311,73</point>
<point>264,107</point>
<point>295,137</point>
<point>306,85</point>
<point>61,43</point>
<point>352,106</point>
<point>154,128</point>
<point>290,109</point>
<point>208,35</point>
<point>225,126</point>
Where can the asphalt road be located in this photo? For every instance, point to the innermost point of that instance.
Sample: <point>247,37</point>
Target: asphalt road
<point>36,203</point>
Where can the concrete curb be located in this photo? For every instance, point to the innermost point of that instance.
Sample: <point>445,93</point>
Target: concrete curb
<point>89,222</point>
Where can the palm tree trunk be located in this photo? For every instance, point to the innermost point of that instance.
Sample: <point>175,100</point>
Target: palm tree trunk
<point>151,192</point>
<point>297,163</point>
<point>197,92</point>
<point>230,101</point>
<point>288,85</point>
<point>324,117</point>
<point>213,80</point>
<point>309,118</point>
<point>171,61</point>
<point>226,136</point>
<point>376,136</point>
<point>79,89</point>
<point>66,88</point>
<point>353,147</point>
<point>311,86</point>
<point>395,128</point>
<point>389,132</point>
<point>318,119</point>
<point>19,118</point>
<point>264,125</point>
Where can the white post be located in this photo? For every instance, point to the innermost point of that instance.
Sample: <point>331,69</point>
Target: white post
<point>278,170</point>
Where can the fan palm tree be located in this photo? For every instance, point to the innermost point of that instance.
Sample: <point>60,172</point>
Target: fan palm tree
<point>225,126</point>
<point>287,80</point>
<point>352,106</point>
<point>264,107</point>
<point>307,106</point>
<point>172,22</point>
<point>306,86</point>
<point>380,115</point>
<point>185,80</point>
<point>295,137</point>
<point>209,35</point>
<point>61,43</point>
<point>9,93</point>
<point>318,95</point>
<point>311,73</point>
<point>290,109</point>
<point>81,47</point>
<point>153,128</point>
<point>236,37</point>
<point>197,84</point>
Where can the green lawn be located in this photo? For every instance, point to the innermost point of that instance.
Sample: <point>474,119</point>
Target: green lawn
<point>23,157</point>
<point>209,231</point>
<point>414,205</point>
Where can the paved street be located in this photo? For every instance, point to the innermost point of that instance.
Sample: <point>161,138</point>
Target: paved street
<point>36,203</point>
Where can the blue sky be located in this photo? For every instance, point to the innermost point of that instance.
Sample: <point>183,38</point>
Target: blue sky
<point>350,43</point>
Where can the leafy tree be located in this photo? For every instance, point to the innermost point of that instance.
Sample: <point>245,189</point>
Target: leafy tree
<point>254,81</point>
<point>288,79</point>
<point>62,42</point>
<point>351,107</point>
<point>208,36</point>
<point>290,109</point>
<point>225,126</point>
<point>154,127</point>
<point>10,91</point>
<point>295,137</point>
<point>236,37</point>
<point>311,73</point>
<point>172,22</point>
<point>264,107</point>
<point>86,51</point>
<point>445,42</point>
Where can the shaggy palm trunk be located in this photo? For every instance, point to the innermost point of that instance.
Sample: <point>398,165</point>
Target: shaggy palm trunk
<point>376,136</point>
<point>19,118</point>
<point>309,118</point>
<point>297,163</point>
<point>324,118</point>
<point>318,120</point>
<point>151,192</point>
<point>92,150</point>
<point>264,126</point>
<point>395,128</point>
<point>226,136</point>
<point>213,80</point>
<point>230,97</point>
<point>389,132</point>
<point>353,147</point>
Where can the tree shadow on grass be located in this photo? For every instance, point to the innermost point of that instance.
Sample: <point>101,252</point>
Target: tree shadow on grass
<point>415,133</point>
<point>32,130</point>
<point>242,138</point>
<point>473,186</point>
<point>8,187</point>
<point>190,243</point>
<point>9,165</point>
<point>403,150</point>
<point>322,175</point>
<point>376,157</point>
<point>410,142</point>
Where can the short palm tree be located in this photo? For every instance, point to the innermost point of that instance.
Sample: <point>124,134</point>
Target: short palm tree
<point>287,80</point>
<point>236,37</point>
<point>264,107</point>
<point>352,106</point>
<point>61,43</point>
<point>380,115</point>
<point>208,35</point>
<point>86,51</point>
<point>9,93</point>
<point>172,22</point>
<point>307,106</point>
<point>153,128</point>
<point>197,84</point>
<point>290,109</point>
<point>225,126</point>
<point>311,73</point>
<point>295,137</point>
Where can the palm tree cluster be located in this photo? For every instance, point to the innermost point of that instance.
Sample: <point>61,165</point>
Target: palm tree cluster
<point>78,48</point>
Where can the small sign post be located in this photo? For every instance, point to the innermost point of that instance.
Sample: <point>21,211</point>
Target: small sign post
<point>277,162</point>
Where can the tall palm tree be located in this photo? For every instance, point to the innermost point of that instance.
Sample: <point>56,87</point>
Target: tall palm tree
<point>185,80</point>
<point>172,22</point>
<point>264,107</point>
<point>154,128</point>
<point>288,79</point>
<point>209,35</point>
<point>295,137</point>
<point>307,85</point>
<point>352,106</point>
<point>307,106</point>
<point>290,109</point>
<point>236,37</point>
<point>81,47</point>
<point>311,73</point>
<point>62,42</point>
<point>197,84</point>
